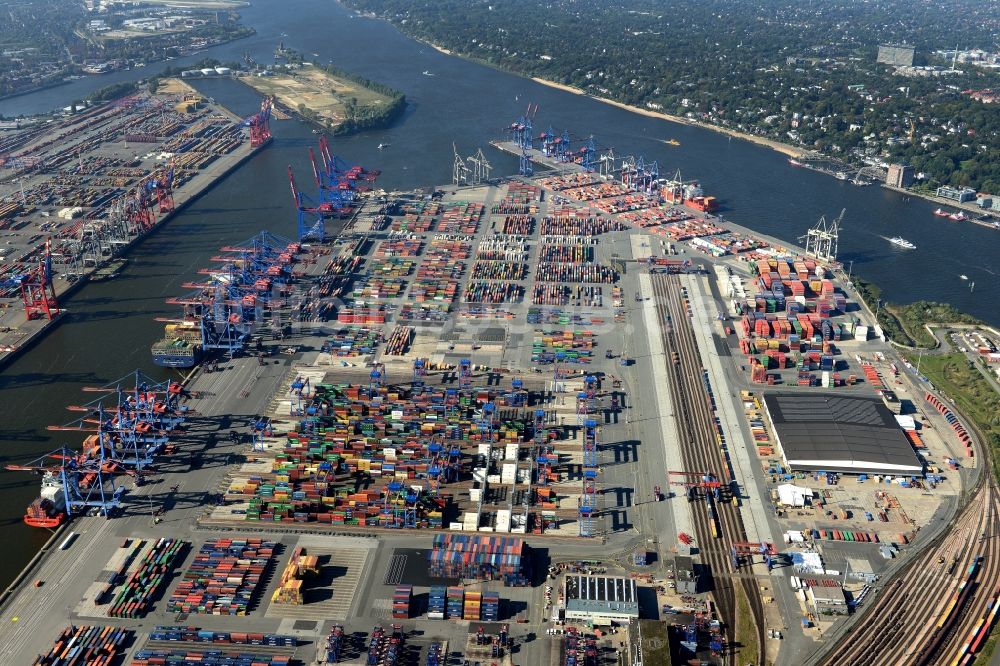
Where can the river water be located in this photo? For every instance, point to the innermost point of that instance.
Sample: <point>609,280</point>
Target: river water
<point>110,325</point>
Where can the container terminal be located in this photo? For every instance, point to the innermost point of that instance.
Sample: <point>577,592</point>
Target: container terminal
<point>535,419</point>
<point>77,192</point>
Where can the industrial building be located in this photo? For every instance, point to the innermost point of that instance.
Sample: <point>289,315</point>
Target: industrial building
<point>685,577</point>
<point>828,600</point>
<point>899,175</point>
<point>844,434</point>
<point>899,55</point>
<point>601,599</point>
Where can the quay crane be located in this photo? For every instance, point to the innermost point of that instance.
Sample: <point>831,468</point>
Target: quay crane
<point>72,483</point>
<point>163,186</point>
<point>521,131</point>
<point>136,428</point>
<point>331,199</point>
<point>37,292</point>
<point>306,208</point>
<point>260,124</point>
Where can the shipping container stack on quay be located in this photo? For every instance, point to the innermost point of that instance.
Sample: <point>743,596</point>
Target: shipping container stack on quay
<point>462,400</point>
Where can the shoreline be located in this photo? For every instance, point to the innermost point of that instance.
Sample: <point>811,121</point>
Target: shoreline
<point>777,146</point>
<point>784,148</point>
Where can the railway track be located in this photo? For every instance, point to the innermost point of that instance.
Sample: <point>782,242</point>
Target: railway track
<point>926,615</point>
<point>700,450</point>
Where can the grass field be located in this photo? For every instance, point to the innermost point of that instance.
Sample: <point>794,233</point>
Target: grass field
<point>321,94</point>
<point>973,395</point>
<point>746,631</point>
<point>655,643</point>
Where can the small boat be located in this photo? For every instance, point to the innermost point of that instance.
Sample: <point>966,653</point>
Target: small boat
<point>963,277</point>
<point>902,242</point>
<point>941,213</point>
<point>672,142</point>
<point>427,72</point>
<point>794,162</point>
<point>315,55</point>
<point>382,146</point>
<point>958,217</point>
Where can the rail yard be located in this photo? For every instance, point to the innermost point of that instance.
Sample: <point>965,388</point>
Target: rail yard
<point>519,420</point>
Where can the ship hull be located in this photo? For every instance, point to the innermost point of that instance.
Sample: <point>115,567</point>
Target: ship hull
<point>176,360</point>
<point>49,522</point>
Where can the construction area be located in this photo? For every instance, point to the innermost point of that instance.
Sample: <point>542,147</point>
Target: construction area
<point>310,89</point>
<point>503,421</point>
<point>76,193</point>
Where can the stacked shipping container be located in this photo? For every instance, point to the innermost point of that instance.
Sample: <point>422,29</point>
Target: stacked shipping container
<point>479,558</point>
<point>135,595</point>
<point>223,577</point>
<point>85,646</point>
<point>402,598</point>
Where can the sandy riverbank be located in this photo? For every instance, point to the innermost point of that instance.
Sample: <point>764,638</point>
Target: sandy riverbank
<point>784,148</point>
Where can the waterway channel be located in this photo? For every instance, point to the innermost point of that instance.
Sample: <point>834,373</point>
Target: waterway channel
<point>111,325</point>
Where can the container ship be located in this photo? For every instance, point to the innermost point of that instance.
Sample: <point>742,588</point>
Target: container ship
<point>180,346</point>
<point>49,509</point>
<point>689,194</point>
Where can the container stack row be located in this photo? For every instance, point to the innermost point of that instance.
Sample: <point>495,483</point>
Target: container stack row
<point>181,657</point>
<point>196,635</point>
<point>953,421</point>
<point>472,609</point>
<point>479,558</point>
<point>85,646</point>
<point>223,577</point>
<point>134,597</point>
<point>402,600</point>
<point>562,346</point>
<point>456,602</point>
<point>491,607</point>
<point>397,441</point>
<point>436,602</point>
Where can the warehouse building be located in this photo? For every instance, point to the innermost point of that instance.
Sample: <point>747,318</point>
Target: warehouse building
<point>828,600</point>
<point>601,599</point>
<point>834,433</point>
<point>685,576</point>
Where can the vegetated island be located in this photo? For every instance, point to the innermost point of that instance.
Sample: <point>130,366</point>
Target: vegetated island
<point>328,96</point>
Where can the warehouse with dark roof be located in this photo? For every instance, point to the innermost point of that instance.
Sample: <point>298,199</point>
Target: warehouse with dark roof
<point>833,433</point>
